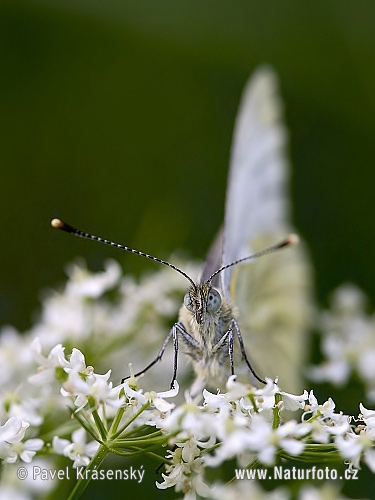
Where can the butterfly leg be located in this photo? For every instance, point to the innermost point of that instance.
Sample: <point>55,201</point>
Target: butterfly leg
<point>159,356</point>
<point>243,352</point>
<point>178,328</point>
<point>228,336</point>
<point>231,351</point>
<point>175,354</point>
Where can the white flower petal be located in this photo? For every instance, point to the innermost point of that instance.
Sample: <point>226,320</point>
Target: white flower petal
<point>13,430</point>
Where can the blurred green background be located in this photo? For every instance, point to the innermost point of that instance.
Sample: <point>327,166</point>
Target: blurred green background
<point>117,116</point>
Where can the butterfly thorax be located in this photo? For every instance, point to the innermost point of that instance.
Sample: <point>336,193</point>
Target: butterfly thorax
<point>206,318</point>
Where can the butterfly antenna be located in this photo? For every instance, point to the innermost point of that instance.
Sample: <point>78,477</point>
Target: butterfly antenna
<point>290,240</point>
<point>59,224</point>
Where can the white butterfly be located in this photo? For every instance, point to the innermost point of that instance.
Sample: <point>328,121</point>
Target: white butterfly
<point>270,296</point>
<point>273,295</point>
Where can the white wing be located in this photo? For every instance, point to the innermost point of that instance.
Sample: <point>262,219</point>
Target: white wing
<point>256,193</point>
<point>272,294</point>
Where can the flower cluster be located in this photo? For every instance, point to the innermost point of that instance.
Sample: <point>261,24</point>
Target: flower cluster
<point>103,309</point>
<point>244,424</point>
<point>348,341</point>
<point>53,403</point>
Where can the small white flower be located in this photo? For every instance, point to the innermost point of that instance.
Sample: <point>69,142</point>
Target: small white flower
<point>136,396</point>
<point>76,362</point>
<point>47,365</point>
<point>350,448</point>
<point>186,471</point>
<point>237,390</point>
<point>292,402</point>
<point>236,442</point>
<point>83,283</point>
<point>326,409</point>
<point>27,449</point>
<point>25,409</point>
<point>162,405</point>
<point>333,423</point>
<point>348,341</point>
<point>13,431</point>
<point>93,386</point>
<point>368,416</point>
<point>266,396</point>
<point>15,357</point>
<point>173,477</point>
<point>77,450</point>
<point>336,371</point>
<point>320,433</point>
<point>266,441</point>
<point>348,298</point>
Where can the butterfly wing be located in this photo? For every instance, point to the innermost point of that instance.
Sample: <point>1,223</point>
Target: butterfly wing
<point>272,294</point>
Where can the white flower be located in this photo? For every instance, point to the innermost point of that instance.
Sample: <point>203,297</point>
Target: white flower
<point>192,420</point>
<point>368,416</point>
<point>266,441</point>
<point>92,386</point>
<point>186,471</point>
<point>332,423</point>
<point>15,357</point>
<point>83,283</point>
<point>236,443</point>
<point>320,433</point>
<point>237,390</point>
<point>76,362</point>
<point>349,299</point>
<point>25,409</point>
<point>326,409</point>
<point>159,402</point>
<point>135,395</point>
<point>77,450</point>
<point>215,401</point>
<point>11,432</point>
<point>292,402</point>
<point>47,365</point>
<point>266,395</point>
<point>336,371</point>
<point>348,341</point>
<point>356,447</point>
<point>27,449</point>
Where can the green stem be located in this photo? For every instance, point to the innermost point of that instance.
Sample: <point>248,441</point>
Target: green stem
<point>100,425</point>
<point>81,484</point>
<point>116,421</point>
<point>141,410</point>
<point>276,412</point>
<point>87,425</point>
<point>253,402</point>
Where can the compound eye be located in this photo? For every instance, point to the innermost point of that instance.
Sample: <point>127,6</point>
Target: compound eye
<point>213,301</point>
<point>187,302</point>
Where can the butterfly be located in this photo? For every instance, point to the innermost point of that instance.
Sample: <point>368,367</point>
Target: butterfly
<point>227,299</point>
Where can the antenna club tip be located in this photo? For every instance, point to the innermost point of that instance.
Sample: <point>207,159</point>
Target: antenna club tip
<point>292,239</point>
<point>57,223</point>
<point>60,224</point>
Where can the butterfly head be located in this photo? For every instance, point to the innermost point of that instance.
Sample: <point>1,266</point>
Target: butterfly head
<point>202,300</point>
